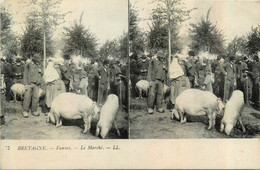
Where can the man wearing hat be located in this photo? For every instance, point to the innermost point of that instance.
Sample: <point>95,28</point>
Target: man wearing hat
<point>255,71</point>
<point>229,69</point>
<point>32,79</point>
<point>218,85</point>
<point>115,71</point>
<point>18,69</point>
<point>103,84</point>
<point>156,77</point>
<point>143,67</point>
<point>8,78</point>
<point>134,73</point>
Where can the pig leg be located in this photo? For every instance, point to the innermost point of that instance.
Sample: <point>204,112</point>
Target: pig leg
<point>222,126</point>
<point>60,122</point>
<point>182,118</point>
<point>118,132</point>
<point>210,116</point>
<point>240,121</point>
<point>214,118</point>
<point>15,97</point>
<point>89,122</point>
<point>97,130</point>
<point>140,93</point>
<point>48,118</point>
<point>57,119</point>
<point>85,126</point>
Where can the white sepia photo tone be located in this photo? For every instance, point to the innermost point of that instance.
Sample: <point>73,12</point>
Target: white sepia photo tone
<point>130,84</point>
<point>195,69</point>
<point>64,69</point>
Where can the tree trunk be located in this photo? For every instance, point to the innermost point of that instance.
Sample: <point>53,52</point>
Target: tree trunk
<point>169,46</point>
<point>44,51</point>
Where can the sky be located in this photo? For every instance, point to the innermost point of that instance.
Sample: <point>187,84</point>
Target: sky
<point>233,18</point>
<point>106,19</point>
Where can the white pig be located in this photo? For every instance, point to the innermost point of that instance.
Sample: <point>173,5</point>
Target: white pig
<point>142,86</point>
<point>108,116</point>
<point>233,111</point>
<point>18,89</point>
<point>72,106</point>
<point>197,102</point>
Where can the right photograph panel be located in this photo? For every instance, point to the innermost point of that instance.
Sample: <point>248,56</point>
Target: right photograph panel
<point>194,69</point>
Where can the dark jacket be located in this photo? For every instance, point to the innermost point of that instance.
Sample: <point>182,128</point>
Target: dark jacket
<point>32,74</point>
<point>230,69</point>
<point>66,73</point>
<point>93,77</point>
<point>156,70</point>
<point>18,71</point>
<point>8,72</point>
<point>104,74</point>
<point>133,68</point>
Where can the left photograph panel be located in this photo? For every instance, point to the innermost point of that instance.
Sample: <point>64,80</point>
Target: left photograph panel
<point>64,69</point>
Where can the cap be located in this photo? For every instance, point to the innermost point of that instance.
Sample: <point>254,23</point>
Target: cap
<point>160,53</point>
<point>36,58</point>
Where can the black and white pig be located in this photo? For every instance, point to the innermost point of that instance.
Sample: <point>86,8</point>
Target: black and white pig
<point>233,112</point>
<point>72,106</point>
<point>107,116</point>
<point>196,102</point>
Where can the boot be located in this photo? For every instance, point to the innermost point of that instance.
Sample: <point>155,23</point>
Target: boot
<point>150,111</point>
<point>25,114</point>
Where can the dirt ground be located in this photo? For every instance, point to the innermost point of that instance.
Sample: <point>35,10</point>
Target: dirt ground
<point>35,128</point>
<point>160,125</point>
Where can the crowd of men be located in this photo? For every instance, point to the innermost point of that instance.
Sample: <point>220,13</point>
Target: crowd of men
<point>97,80</point>
<point>221,76</point>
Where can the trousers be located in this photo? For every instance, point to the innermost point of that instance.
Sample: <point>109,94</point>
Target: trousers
<point>31,97</point>
<point>155,92</point>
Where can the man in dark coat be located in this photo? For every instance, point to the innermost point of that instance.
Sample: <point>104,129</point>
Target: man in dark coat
<point>8,78</point>
<point>143,67</point>
<point>103,85</point>
<point>66,74</point>
<point>218,86</point>
<point>229,69</point>
<point>32,79</point>
<point>156,78</point>
<point>134,74</point>
<point>93,82</point>
<point>255,71</point>
<point>18,69</point>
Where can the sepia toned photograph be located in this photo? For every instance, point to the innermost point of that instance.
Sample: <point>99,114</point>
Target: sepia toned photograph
<point>64,69</point>
<point>194,69</point>
<point>129,84</point>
